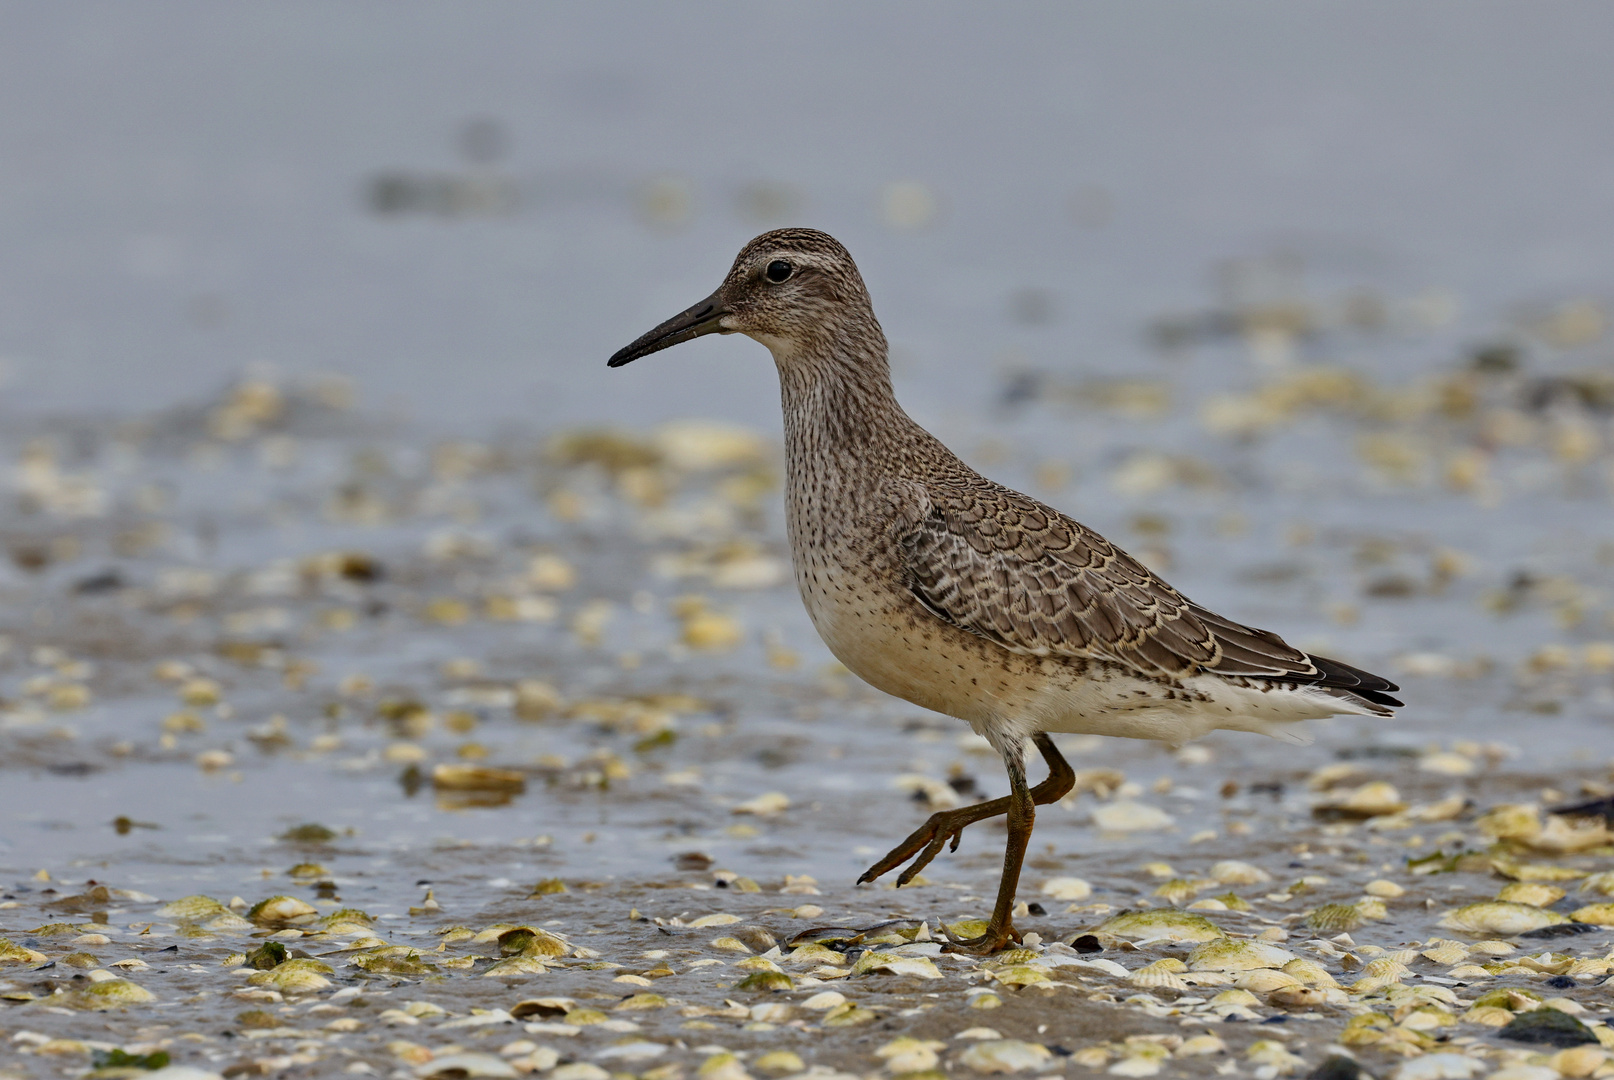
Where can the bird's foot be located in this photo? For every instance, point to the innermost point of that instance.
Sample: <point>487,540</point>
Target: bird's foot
<point>994,940</point>
<point>925,843</point>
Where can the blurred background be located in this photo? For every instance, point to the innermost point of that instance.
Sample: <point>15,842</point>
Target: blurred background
<point>467,209</point>
<point>321,501</point>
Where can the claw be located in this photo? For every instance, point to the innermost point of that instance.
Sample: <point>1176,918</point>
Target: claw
<point>941,830</point>
<point>993,940</point>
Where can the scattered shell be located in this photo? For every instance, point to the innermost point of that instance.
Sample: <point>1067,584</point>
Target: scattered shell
<point>528,941</point>
<point>773,802</point>
<point>1301,997</point>
<point>1067,888</point>
<point>1166,924</point>
<point>455,777</point>
<point>1447,763</point>
<point>1310,972</point>
<point>1372,799</point>
<point>1442,951</point>
<point>720,918</point>
<point>1579,1061</point>
<point>294,976</point>
<point>849,1014</point>
<point>1498,917</point>
<point>1128,816</point>
<point>1231,954</point>
<point>1271,1054</point>
<point>721,1066</point>
<point>282,911</point>
<point>1233,872</point>
<point>1005,1056</point>
<point>1599,883</point>
<point>827,999</point>
<point>905,1054</point>
<point>193,909</point>
<point>108,994</point>
<point>1178,890</point>
<point>1594,914</point>
<point>1439,1067</point>
<point>1333,918</point>
<point>768,981</point>
<point>1018,975</point>
<point>1200,1045</point>
<point>578,1070</point>
<point>896,964</point>
<point>466,1065</point>
<point>1387,890</point>
<point>1530,892</point>
<point>1264,980</point>
<point>12,953</point>
<point>1162,974</point>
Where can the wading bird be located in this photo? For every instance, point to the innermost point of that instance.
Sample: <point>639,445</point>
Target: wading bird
<point>935,584</point>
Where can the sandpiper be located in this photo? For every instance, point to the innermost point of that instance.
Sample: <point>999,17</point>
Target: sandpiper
<point>958,594</point>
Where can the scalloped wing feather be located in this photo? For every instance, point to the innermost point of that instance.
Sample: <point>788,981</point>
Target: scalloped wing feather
<point>1009,569</point>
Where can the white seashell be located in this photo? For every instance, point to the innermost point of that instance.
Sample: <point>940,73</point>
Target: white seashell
<point>1160,974</point>
<point>896,964</point>
<point>468,1065</point>
<point>1200,1045</point>
<point>1447,763</point>
<point>1005,1056</point>
<point>1310,972</point>
<point>773,802</point>
<point>1128,816</point>
<point>1439,1067</point>
<point>720,918</point>
<point>1264,980</point>
<point>1067,888</point>
<point>1599,883</point>
<point>1232,954</point>
<point>1442,951</point>
<point>1303,997</point>
<point>1594,914</point>
<point>1373,799</point>
<point>1235,997</point>
<point>634,1050</point>
<point>1498,917</point>
<point>193,909</point>
<point>1233,872</point>
<point>1161,924</point>
<point>1137,1065</point>
<point>578,1070</point>
<point>1530,892</point>
<point>906,1054</point>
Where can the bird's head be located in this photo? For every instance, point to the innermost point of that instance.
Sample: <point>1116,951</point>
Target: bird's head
<point>791,289</point>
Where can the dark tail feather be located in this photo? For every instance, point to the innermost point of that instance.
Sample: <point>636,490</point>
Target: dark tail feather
<point>1363,684</point>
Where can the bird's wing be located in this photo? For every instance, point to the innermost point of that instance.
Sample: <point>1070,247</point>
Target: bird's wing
<point>1007,568</point>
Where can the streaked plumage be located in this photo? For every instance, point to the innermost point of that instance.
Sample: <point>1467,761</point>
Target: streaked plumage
<point>954,592</point>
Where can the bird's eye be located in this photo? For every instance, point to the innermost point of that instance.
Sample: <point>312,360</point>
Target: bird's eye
<point>778,270</point>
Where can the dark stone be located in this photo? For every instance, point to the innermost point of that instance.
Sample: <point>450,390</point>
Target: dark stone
<point>1036,909</point>
<point>1087,943</point>
<point>269,955</point>
<point>1549,1027</point>
<point>1568,929</point>
<point>105,581</point>
<point>1337,1067</point>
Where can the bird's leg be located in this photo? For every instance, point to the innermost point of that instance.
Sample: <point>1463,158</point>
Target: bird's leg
<point>928,840</point>
<point>1000,931</point>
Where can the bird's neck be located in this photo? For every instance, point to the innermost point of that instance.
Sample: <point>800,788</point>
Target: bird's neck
<point>839,405</point>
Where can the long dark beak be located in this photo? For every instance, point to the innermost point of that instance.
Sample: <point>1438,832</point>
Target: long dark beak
<point>701,319</point>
